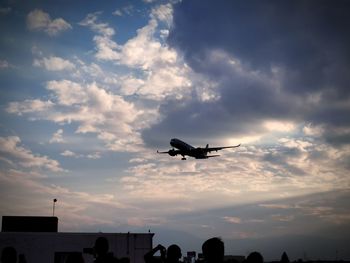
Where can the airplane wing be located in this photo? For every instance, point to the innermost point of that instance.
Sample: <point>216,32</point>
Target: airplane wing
<point>205,156</point>
<point>212,149</point>
<point>171,152</point>
<point>216,155</point>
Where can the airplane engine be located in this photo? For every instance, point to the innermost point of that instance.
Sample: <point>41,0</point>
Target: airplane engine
<point>172,152</point>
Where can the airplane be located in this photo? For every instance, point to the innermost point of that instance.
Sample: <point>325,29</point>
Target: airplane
<point>183,149</point>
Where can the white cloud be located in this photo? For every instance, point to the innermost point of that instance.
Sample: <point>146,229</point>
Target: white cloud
<point>105,46</point>
<point>93,109</point>
<point>279,126</point>
<point>248,174</point>
<point>302,145</point>
<point>96,155</point>
<point>312,130</point>
<point>127,10</point>
<point>57,137</point>
<point>149,1</point>
<point>38,20</point>
<point>118,12</point>
<point>25,158</point>
<point>232,219</point>
<point>67,92</point>
<point>101,28</point>
<point>28,106</point>
<point>163,13</point>
<point>68,153</point>
<point>5,64</point>
<point>168,81</point>
<point>130,85</point>
<point>163,72</point>
<point>145,51</point>
<point>54,64</point>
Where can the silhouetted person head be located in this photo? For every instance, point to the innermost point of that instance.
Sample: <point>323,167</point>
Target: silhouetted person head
<point>101,251</point>
<point>255,257</point>
<point>101,246</point>
<point>173,253</point>
<point>213,250</point>
<point>9,255</point>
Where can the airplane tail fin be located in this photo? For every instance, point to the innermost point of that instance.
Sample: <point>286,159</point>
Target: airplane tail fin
<point>207,146</point>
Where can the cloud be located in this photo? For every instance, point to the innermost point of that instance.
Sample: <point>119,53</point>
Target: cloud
<point>54,64</point>
<point>274,76</point>
<point>145,43</point>
<point>101,28</point>
<point>163,73</point>
<point>126,10</point>
<point>248,174</point>
<point>38,20</point>
<point>57,137</point>
<point>67,93</point>
<point>29,106</point>
<point>5,10</point>
<point>239,102</point>
<point>11,150</point>
<point>163,13</point>
<point>232,219</point>
<point>107,49</point>
<point>93,109</point>
<point>68,153</point>
<point>72,206</point>
<point>118,13</point>
<point>4,64</point>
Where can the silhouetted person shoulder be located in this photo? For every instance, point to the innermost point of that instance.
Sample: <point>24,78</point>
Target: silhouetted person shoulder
<point>213,250</point>
<point>101,251</point>
<point>284,258</point>
<point>255,257</point>
<point>75,258</point>
<point>22,258</point>
<point>9,255</point>
<point>124,260</point>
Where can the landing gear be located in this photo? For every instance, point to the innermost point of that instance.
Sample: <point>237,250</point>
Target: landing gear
<point>183,159</point>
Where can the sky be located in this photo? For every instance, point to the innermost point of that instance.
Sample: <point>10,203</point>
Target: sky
<point>90,90</point>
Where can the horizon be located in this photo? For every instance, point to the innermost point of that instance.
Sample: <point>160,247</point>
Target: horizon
<point>91,91</point>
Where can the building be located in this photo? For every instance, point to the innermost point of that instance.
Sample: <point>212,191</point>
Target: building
<point>37,238</point>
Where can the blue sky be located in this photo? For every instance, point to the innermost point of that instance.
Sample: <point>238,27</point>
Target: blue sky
<point>90,90</point>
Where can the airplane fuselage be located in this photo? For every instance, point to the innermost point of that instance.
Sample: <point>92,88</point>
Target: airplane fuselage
<point>187,149</point>
<point>182,148</point>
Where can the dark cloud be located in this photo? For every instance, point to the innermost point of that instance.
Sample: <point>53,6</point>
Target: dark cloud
<point>279,158</point>
<point>308,39</point>
<point>268,59</point>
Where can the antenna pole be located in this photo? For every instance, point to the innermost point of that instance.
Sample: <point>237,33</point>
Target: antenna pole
<point>53,208</point>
